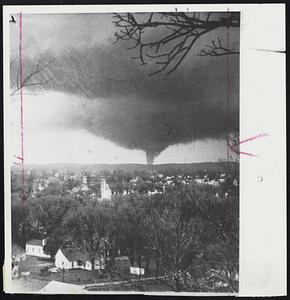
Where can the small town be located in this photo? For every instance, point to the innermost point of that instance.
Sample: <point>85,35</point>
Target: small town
<point>124,151</point>
<point>88,184</point>
<point>119,250</point>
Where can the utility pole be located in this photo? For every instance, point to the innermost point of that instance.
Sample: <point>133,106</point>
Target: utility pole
<point>63,271</point>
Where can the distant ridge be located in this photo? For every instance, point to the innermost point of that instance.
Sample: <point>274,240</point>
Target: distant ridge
<point>126,167</point>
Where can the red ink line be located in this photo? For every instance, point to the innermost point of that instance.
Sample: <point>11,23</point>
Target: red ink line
<point>254,137</point>
<point>246,153</point>
<point>18,157</point>
<point>238,152</point>
<point>21,98</point>
<point>228,89</point>
<point>232,147</point>
<point>245,141</point>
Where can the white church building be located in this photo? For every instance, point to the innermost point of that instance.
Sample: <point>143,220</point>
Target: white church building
<point>72,258</point>
<point>106,192</point>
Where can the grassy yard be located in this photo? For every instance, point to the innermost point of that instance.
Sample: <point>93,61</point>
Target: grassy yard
<point>33,281</point>
<point>75,276</point>
<point>39,277</point>
<point>80,276</point>
<point>34,264</point>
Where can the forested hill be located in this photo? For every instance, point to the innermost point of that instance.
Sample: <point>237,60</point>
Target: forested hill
<point>191,168</point>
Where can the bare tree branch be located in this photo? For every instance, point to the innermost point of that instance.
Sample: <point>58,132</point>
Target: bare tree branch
<point>180,30</point>
<point>27,80</point>
<point>216,50</point>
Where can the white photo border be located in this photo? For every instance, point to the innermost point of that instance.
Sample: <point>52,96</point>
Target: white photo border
<point>262,110</point>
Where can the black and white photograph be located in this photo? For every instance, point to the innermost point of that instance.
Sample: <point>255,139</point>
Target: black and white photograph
<point>124,158</point>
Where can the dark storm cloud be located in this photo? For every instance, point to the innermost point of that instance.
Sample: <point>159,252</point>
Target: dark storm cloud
<point>125,105</point>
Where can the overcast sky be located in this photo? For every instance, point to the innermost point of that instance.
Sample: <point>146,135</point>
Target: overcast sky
<point>101,106</point>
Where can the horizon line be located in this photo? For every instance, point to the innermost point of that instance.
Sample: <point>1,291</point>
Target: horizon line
<point>112,164</point>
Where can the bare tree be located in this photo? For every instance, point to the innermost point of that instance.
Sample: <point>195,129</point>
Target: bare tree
<point>87,228</point>
<point>182,228</point>
<point>224,219</point>
<point>174,231</point>
<point>177,32</point>
<point>231,164</point>
<point>35,77</point>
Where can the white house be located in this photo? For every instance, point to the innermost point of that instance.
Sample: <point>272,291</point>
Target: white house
<point>75,189</point>
<point>221,180</point>
<point>72,258</point>
<point>84,186</point>
<point>154,192</point>
<point>235,182</point>
<point>35,248</point>
<point>213,182</point>
<point>137,270</point>
<point>199,180</point>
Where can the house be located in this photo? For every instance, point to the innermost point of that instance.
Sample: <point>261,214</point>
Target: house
<point>235,182</point>
<point>135,270</point>
<point>71,258</point>
<point>154,192</point>
<point>122,263</point>
<point>213,182</point>
<point>144,267</point>
<point>199,181</point>
<point>221,180</point>
<point>84,186</point>
<point>35,248</point>
<point>75,189</point>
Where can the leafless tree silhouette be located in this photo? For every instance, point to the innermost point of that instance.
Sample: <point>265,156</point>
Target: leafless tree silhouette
<point>180,32</point>
<point>35,78</point>
<point>231,165</point>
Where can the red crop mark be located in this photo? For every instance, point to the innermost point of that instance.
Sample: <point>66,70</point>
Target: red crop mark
<point>233,147</point>
<point>21,101</point>
<point>20,158</point>
<point>254,137</point>
<point>228,87</point>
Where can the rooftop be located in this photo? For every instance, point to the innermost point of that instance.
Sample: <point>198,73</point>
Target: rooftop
<point>34,242</point>
<point>73,254</point>
<point>56,287</point>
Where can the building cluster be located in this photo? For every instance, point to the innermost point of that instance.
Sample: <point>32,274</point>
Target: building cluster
<point>98,187</point>
<point>70,257</point>
<point>214,182</point>
<point>79,184</point>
